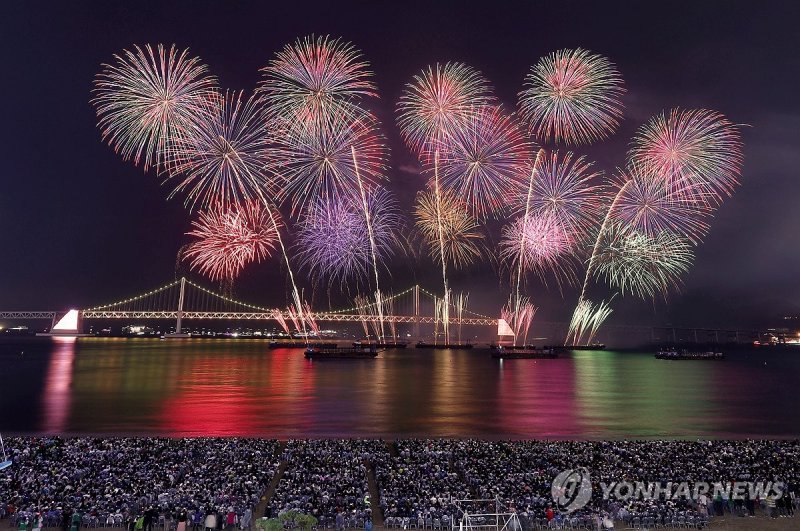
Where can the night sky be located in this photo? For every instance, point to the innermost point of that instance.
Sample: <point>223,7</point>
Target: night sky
<point>81,227</point>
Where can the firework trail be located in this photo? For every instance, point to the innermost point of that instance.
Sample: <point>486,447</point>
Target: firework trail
<point>370,315</point>
<point>146,99</point>
<point>525,219</point>
<point>643,265</point>
<point>309,319</point>
<point>221,156</point>
<point>315,78</point>
<point>519,314</point>
<point>389,310</point>
<point>371,234</point>
<point>333,241</point>
<point>277,314</point>
<point>363,303</point>
<point>315,159</point>
<point>572,96</point>
<point>587,318</point>
<point>541,245</point>
<point>440,100</point>
<point>483,159</point>
<point>296,316</point>
<point>460,304</point>
<point>697,153</point>
<point>228,237</point>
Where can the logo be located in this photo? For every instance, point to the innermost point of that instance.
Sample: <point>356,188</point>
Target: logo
<point>572,489</point>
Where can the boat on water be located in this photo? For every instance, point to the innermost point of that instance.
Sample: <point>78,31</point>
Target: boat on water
<point>341,353</point>
<point>528,352</point>
<point>382,344</point>
<point>593,346</point>
<point>672,354</point>
<point>449,346</point>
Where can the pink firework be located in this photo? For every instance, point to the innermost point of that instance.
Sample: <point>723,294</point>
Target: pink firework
<point>327,158</point>
<point>314,77</point>
<point>539,244</point>
<point>695,152</point>
<point>222,156</point>
<point>484,160</point>
<point>145,99</point>
<point>645,204</point>
<point>227,237</point>
<point>566,187</point>
<point>440,100</point>
<point>572,96</point>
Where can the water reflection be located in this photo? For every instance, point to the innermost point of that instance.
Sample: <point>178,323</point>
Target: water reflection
<point>243,388</point>
<point>56,393</point>
<point>536,398</point>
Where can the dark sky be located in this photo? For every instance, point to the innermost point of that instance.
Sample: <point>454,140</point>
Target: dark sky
<point>81,227</point>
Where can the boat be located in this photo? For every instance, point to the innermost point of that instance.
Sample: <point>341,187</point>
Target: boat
<point>341,353</point>
<point>528,352</point>
<point>593,346</point>
<point>383,344</point>
<point>449,346</point>
<point>672,354</point>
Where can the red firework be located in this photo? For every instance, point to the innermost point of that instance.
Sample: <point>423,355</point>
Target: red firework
<point>230,236</point>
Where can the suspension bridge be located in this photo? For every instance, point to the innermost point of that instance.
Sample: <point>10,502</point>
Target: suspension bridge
<point>183,299</point>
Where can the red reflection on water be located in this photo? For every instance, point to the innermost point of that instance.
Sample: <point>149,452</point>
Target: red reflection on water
<point>56,397</point>
<point>536,398</point>
<point>242,395</point>
<point>212,400</point>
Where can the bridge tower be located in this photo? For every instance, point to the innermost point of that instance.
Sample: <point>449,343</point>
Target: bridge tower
<point>178,330</point>
<point>416,311</point>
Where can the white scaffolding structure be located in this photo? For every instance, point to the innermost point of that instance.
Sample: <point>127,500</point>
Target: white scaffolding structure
<point>485,515</point>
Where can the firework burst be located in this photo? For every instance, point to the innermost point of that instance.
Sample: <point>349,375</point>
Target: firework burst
<point>333,238</point>
<point>697,153</point>
<point>451,228</point>
<point>229,237</point>
<point>222,156</point>
<point>539,244</point>
<point>572,96</point>
<point>314,78</point>
<point>440,100</point>
<point>565,186</point>
<point>147,98</point>
<point>484,160</point>
<point>642,265</point>
<point>646,205</point>
<point>327,158</point>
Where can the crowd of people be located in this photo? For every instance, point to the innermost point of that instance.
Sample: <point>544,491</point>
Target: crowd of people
<point>419,483</point>
<point>327,479</point>
<point>210,484</point>
<point>130,482</point>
